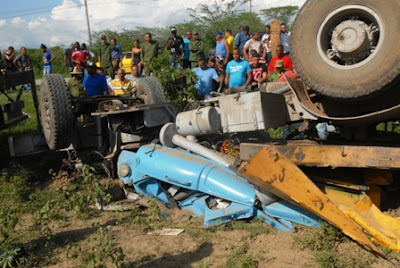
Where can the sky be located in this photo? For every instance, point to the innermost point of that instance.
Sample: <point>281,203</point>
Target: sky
<point>59,22</point>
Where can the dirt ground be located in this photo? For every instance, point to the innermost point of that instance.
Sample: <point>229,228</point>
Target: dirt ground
<point>195,247</point>
<point>122,239</point>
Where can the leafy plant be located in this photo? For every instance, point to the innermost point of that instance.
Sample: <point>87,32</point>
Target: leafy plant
<point>178,84</point>
<point>103,249</point>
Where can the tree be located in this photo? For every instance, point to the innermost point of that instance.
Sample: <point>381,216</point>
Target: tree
<point>206,15</point>
<point>283,14</point>
<point>220,16</point>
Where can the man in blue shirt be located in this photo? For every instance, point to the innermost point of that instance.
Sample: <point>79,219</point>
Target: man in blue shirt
<point>186,55</point>
<point>115,54</point>
<point>242,38</point>
<point>238,72</point>
<point>205,77</point>
<point>285,39</point>
<point>94,84</point>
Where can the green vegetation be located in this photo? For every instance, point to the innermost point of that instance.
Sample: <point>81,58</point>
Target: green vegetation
<point>178,84</point>
<point>27,126</point>
<point>238,258</point>
<point>206,19</point>
<point>284,14</point>
<point>324,244</point>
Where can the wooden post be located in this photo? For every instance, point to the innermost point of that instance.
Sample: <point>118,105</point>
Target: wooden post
<point>275,36</point>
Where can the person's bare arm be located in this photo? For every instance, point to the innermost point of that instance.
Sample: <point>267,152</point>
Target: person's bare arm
<point>246,55</point>
<point>52,57</point>
<point>227,52</point>
<point>9,57</point>
<point>264,52</point>
<point>227,79</point>
<point>65,60</point>
<point>263,78</point>
<point>249,77</point>
<point>15,63</point>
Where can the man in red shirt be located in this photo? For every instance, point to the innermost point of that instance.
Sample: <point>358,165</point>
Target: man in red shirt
<point>287,61</point>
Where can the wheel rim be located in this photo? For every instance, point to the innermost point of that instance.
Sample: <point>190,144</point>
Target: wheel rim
<point>350,37</point>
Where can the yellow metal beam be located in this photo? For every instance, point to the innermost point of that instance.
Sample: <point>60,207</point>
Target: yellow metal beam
<point>316,155</point>
<point>277,174</point>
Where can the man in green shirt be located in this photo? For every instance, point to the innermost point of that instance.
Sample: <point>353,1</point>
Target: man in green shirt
<point>105,57</point>
<point>149,53</point>
<point>275,75</point>
<point>75,83</point>
<point>196,47</point>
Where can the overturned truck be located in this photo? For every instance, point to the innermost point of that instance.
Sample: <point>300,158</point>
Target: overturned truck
<point>217,160</point>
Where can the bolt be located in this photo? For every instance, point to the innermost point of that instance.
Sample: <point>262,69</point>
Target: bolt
<point>124,171</point>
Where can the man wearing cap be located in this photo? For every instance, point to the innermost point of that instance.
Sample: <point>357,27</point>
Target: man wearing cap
<point>105,57</point>
<point>196,47</point>
<point>242,38</point>
<point>186,55</point>
<point>222,47</point>
<point>205,77</point>
<point>238,72</point>
<point>94,84</point>
<point>275,75</point>
<point>75,83</point>
<point>255,44</point>
<point>149,53</point>
<point>176,46</point>
<point>287,61</point>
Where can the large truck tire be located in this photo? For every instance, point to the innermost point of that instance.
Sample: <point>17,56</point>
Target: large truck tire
<point>56,111</point>
<point>150,90</point>
<point>347,49</point>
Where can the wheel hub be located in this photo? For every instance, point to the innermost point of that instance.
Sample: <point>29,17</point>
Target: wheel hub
<point>350,37</point>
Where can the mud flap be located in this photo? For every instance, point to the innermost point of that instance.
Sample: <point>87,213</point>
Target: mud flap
<point>275,173</point>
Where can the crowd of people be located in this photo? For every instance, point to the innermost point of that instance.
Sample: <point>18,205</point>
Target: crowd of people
<point>236,64</point>
<point>243,62</point>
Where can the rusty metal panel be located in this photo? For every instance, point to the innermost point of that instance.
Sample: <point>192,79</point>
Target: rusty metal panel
<point>316,155</point>
<point>252,111</point>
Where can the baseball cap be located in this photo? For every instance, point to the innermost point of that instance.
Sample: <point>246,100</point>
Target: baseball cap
<point>279,64</point>
<point>195,32</point>
<point>173,29</point>
<point>218,33</point>
<point>103,37</point>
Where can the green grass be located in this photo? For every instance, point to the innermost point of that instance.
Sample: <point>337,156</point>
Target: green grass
<point>323,244</point>
<point>27,126</point>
